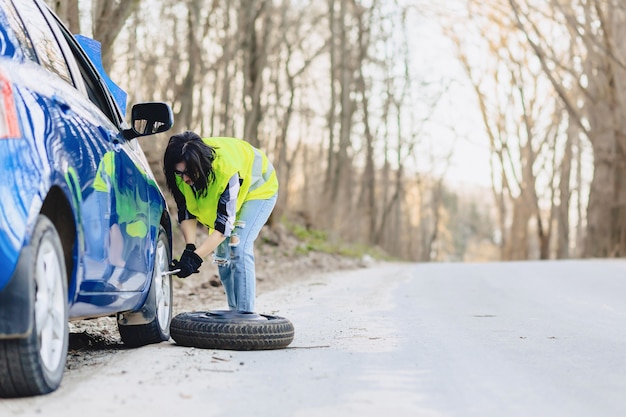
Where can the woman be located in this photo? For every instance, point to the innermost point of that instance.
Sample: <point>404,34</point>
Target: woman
<point>230,187</point>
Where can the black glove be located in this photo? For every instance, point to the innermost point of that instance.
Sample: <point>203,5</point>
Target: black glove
<point>189,263</point>
<point>174,265</point>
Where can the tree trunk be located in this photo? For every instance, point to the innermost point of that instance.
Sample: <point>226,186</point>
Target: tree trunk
<point>67,10</point>
<point>367,199</point>
<point>330,160</point>
<point>339,177</point>
<point>184,117</point>
<point>600,108</point>
<point>517,245</point>
<point>109,18</point>
<point>254,49</point>
<point>617,50</point>
<point>563,209</point>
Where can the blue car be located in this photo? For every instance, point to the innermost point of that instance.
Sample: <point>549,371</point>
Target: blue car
<point>84,227</point>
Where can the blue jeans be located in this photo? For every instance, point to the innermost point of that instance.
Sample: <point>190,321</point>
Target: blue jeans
<point>236,260</point>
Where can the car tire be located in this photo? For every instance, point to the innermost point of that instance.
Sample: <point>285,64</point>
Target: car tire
<point>158,304</point>
<point>34,365</point>
<point>231,330</point>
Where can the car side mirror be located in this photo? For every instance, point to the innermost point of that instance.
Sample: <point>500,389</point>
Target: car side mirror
<point>148,119</point>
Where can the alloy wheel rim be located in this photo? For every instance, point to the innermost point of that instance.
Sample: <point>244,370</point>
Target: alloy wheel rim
<point>162,283</point>
<point>50,320</point>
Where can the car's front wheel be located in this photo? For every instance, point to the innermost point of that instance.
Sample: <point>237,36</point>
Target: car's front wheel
<point>34,365</point>
<point>157,307</point>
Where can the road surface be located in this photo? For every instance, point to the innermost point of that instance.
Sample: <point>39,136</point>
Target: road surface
<point>500,339</point>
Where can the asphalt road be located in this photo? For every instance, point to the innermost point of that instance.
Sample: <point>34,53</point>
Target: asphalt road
<point>502,339</point>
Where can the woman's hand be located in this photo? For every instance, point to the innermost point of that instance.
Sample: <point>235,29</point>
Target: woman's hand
<point>189,262</point>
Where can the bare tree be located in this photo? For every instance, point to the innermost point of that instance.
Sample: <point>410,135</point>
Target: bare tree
<point>523,124</point>
<point>109,17</point>
<point>338,181</point>
<point>593,28</point>
<point>332,106</point>
<point>286,80</point>
<point>254,45</point>
<point>68,12</point>
<point>367,198</point>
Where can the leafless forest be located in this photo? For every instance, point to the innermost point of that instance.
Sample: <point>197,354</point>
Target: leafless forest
<point>332,91</point>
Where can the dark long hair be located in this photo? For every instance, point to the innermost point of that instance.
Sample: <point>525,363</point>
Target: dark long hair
<point>188,147</point>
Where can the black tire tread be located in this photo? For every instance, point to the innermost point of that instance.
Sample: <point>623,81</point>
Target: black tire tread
<point>20,369</point>
<point>190,329</point>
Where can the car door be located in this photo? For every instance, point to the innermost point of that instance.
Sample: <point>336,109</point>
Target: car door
<point>101,169</point>
<point>135,203</point>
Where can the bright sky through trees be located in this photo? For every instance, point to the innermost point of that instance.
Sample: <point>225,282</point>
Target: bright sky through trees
<point>456,122</point>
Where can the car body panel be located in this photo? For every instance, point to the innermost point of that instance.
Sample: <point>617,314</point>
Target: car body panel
<point>65,144</point>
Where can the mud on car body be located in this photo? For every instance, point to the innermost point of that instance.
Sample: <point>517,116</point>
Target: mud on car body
<point>84,228</point>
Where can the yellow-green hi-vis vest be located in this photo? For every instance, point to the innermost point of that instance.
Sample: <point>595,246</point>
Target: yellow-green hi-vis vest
<point>231,156</point>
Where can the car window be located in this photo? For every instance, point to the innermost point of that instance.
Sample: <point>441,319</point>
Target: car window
<point>48,51</point>
<point>94,86</point>
<point>57,50</point>
<point>17,26</point>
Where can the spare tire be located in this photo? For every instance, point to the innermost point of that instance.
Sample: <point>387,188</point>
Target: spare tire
<point>231,330</point>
